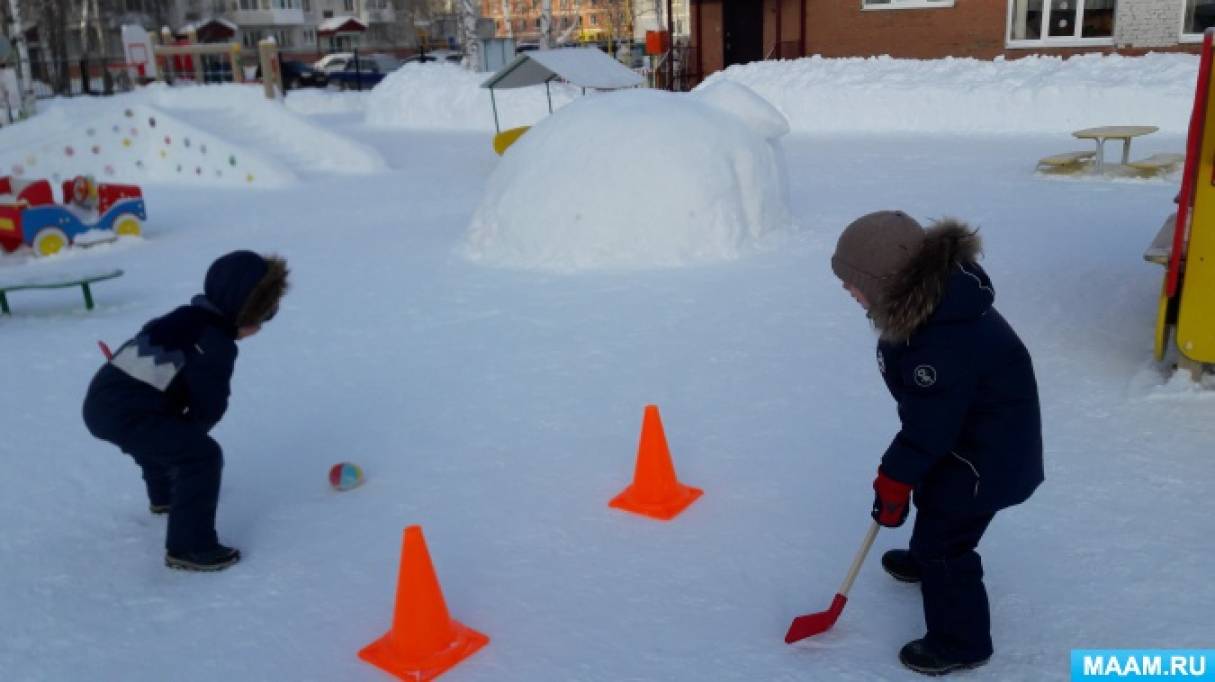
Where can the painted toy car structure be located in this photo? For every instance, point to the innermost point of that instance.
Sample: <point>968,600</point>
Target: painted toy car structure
<point>29,214</point>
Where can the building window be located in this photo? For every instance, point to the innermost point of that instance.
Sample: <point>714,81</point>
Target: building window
<point>1034,23</point>
<point>904,4</point>
<point>594,20</point>
<point>1199,16</point>
<point>248,5</point>
<point>348,5</point>
<point>250,39</point>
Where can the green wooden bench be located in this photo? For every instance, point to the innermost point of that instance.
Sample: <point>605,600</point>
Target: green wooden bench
<point>55,282</point>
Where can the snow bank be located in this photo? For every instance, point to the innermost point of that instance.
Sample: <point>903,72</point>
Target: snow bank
<point>131,143</point>
<point>312,101</point>
<point>216,135</point>
<point>241,111</point>
<point>447,97</point>
<point>1029,95</point>
<point>685,182</point>
<point>817,95</point>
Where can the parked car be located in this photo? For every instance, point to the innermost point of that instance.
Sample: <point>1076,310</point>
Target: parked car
<point>332,62</point>
<point>298,75</point>
<point>436,56</point>
<point>364,72</point>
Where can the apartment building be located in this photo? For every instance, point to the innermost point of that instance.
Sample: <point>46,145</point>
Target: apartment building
<point>726,32</point>
<point>584,21</point>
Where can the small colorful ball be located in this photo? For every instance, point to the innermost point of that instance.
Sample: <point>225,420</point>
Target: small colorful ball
<point>345,476</point>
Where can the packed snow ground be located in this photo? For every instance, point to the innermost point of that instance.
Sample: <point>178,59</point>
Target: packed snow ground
<point>500,409</point>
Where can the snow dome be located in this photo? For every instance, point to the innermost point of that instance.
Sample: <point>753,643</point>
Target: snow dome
<point>637,179</point>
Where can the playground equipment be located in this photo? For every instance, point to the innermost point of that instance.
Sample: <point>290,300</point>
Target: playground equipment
<point>584,67</point>
<point>29,214</point>
<point>1185,244</point>
<point>188,56</point>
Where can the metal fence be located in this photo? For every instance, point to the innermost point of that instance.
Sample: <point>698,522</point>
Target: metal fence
<point>90,76</point>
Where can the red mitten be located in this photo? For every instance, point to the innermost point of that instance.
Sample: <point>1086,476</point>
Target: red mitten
<point>890,501</point>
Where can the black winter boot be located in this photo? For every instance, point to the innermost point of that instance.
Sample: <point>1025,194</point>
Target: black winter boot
<point>899,564</point>
<point>216,559</point>
<point>922,657</point>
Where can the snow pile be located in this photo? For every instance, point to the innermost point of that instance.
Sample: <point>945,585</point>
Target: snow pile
<point>313,101</point>
<point>1029,95</point>
<point>134,144</point>
<point>690,179</point>
<point>447,97</point>
<point>242,113</point>
<point>215,135</point>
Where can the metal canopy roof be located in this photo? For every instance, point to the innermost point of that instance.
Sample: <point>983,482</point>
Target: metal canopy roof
<point>586,67</point>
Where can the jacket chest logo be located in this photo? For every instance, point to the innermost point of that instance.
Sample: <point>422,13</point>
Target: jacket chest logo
<point>925,376</point>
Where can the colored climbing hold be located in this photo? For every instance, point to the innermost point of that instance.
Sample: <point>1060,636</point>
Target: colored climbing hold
<point>96,149</point>
<point>198,170</point>
<point>129,113</point>
<point>186,142</point>
<point>126,142</point>
<point>109,170</point>
<point>90,132</point>
<point>152,121</point>
<point>249,178</point>
<point>179,168</point>
<point>232,160</point>
<point>68,151</point>
<point>202,148</point>
<point>168,140</point>
<point>134,132</point>
<point>115,128</point>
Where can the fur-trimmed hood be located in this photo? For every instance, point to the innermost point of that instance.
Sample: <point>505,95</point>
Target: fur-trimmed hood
<point>942,281</point>
<point>244,288</point>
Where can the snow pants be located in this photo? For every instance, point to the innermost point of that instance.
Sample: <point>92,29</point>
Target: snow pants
<point>955,601</point>
<point>181,465</point>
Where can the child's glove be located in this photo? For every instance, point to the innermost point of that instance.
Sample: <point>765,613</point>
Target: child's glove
<point>890,501</point>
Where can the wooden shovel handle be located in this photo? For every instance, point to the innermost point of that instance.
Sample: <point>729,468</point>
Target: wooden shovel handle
<point>859,559</point>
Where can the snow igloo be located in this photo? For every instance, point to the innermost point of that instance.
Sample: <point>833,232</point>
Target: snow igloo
<point>638,179</point>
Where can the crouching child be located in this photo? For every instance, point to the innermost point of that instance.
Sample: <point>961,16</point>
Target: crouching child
<point>163,391</point>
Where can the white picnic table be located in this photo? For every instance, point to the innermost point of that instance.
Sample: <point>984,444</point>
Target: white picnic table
<point>1103,133</point>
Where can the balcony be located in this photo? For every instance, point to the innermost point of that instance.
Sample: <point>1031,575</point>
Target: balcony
<point>269,17</point>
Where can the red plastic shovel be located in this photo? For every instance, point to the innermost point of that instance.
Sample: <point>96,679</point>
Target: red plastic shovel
<point>812,624</point>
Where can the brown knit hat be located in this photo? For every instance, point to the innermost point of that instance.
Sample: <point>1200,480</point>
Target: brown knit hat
<point>874,248</point>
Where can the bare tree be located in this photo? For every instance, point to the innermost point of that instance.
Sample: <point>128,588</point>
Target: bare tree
<point>574,24</point>
<point>25,80</point>
<point>468,16</point>
<point>546,24</point>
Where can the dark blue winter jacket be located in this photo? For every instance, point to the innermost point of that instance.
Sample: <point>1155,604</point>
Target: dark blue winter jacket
<point>179,365</point>
<point>971,436</point>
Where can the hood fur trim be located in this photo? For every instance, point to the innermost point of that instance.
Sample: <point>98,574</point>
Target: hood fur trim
<point>265,297</point>
<point>916,290</point>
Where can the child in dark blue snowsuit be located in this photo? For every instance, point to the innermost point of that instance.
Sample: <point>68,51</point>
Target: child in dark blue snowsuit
<point>164,390</point>
<point>970,442</point>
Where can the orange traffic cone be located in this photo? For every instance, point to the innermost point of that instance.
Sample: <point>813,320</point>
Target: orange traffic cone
<point>655,491</point>
<point>424,641</point>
